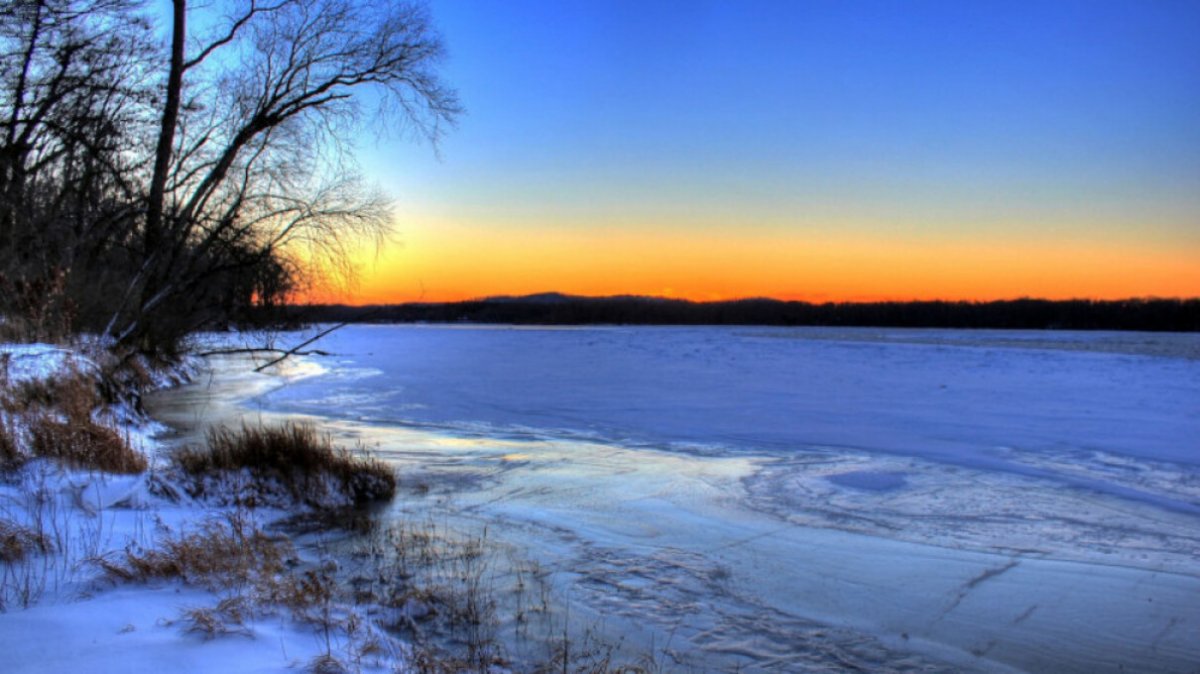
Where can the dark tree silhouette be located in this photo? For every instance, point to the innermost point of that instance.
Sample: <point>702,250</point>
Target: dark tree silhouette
<point>1179,315</point>
<point>250,165</point>
<point>164,188</point>
<point>74,95</point>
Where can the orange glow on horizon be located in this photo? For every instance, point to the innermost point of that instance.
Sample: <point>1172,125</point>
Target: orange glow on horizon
<point>459,262</point>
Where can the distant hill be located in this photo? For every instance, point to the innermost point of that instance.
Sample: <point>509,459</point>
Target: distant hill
<point>538,298</point>
<point>558,309</point>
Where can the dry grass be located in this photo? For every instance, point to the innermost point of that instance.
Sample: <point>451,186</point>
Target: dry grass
<point>18,542</point>
<point>257,575</point>
<point>84,444</point>
<point>423,582</point>
<point>327,664</point>
<point>227,617</point>
<point>306,594</point>
<point>58,413</point>
<point>72,394</point>
<point>450,596</point>
<point>593,655</point>
<point>229,553</point>
<point>224,552</point>
<point>11,456</point>
<point>433,587</point>
<point>293,456</point>
<point>36,310</point>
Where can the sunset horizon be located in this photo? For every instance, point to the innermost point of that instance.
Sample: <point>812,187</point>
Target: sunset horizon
<point>800,151</point>
<point>330,298</point>
<point>443,269</point>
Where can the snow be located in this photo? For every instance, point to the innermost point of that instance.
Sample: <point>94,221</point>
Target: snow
<point>73,620</point>
<point>135,630</point>
<point>987,501</point>
<point>143,629</point>
<point>21,363</point>
<point>57,611</point>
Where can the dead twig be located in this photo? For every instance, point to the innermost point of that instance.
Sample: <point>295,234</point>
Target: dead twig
<point>261,349</point>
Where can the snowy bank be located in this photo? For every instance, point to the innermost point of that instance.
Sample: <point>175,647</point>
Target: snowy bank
<point>105,572</point>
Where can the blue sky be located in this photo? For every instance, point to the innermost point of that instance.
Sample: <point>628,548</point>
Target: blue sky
<point>923,121</point>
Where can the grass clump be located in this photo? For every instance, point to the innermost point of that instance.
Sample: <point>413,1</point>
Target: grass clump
<point>73,394</point>
<point>227,617</point>
<point>57,414</point>
<point>18,542</point>
<point>84,444</point>
<point>292,460</point>
<point>224,552</point>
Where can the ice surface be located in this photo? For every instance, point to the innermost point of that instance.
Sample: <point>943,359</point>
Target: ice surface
<point>776,500</point>
<point>869,480</point>
<point>936,396</point>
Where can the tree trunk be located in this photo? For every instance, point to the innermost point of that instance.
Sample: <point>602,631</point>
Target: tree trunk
<point>166,135</point>
<point>12,155</point>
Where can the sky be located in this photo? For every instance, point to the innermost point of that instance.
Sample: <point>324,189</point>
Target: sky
<point>811,150</point>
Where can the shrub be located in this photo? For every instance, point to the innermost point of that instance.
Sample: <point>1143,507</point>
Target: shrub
<point>293,458</point>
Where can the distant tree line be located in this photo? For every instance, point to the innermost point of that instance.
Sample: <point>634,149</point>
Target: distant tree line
<point>152,187</point>
<point>1179,315</point>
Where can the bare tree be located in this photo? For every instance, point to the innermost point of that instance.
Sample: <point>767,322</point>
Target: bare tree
<point>175,188</point>
<point>251,163</point>
<point>73,94</point>
<point>71,90</point>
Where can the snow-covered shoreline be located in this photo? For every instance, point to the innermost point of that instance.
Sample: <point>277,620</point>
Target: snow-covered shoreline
<point>60,610</point>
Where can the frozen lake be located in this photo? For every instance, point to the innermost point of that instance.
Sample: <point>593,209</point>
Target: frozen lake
<point>786,499</point>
